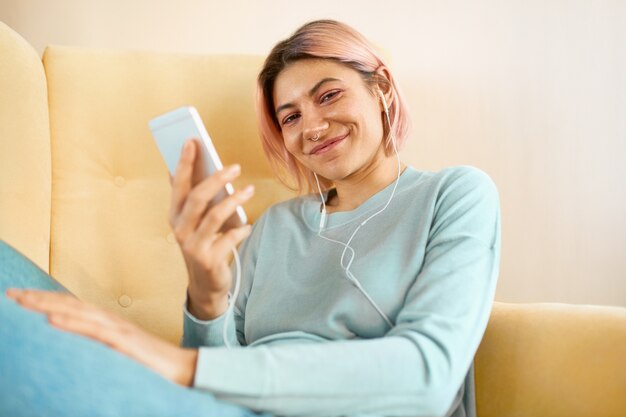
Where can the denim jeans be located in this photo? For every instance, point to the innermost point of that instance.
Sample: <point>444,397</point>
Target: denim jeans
<point>48,372</point>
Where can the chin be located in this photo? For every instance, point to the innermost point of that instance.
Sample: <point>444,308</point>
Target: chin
<point>335,174</point>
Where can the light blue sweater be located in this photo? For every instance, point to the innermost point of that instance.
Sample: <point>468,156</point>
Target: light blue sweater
<point>311,343</point>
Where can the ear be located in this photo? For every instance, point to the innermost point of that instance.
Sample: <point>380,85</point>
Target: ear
<point>384,86</point>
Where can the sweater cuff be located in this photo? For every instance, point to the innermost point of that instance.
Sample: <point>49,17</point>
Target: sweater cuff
<point>198,332</point>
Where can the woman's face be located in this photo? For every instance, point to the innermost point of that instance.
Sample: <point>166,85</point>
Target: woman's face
<point>328,99</point>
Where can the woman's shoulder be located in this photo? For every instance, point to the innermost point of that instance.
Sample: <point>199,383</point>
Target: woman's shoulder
<point>452,188</point>
<point>467,192</point>
<point>462,178</point>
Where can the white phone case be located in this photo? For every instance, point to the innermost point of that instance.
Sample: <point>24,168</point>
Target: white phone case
<point>172,129</point>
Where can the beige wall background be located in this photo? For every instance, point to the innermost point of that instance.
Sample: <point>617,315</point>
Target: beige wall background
<point>532,92</point>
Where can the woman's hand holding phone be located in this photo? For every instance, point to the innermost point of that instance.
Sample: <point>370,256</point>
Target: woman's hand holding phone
<point>202,233</point>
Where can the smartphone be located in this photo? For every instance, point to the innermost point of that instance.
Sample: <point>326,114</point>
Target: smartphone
<point>171,130</point>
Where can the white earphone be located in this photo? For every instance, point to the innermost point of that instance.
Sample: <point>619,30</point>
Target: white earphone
<point>347,246</point>
<point>232,297</point>
<point>385,107</point>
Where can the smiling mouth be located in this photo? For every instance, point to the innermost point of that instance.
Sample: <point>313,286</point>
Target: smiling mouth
<point>326,145</point>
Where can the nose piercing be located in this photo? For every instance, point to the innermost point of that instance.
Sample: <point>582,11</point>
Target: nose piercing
<point>316,137</point>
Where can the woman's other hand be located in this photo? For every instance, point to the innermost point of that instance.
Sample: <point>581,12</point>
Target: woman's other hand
<point>199,229</point>
<point>67,313</point>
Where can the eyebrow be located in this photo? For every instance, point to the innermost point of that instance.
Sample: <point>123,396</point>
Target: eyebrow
<point>312,91</point>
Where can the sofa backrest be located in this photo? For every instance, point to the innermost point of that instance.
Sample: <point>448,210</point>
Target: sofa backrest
<point>24,149</point>
<point>110,239</point>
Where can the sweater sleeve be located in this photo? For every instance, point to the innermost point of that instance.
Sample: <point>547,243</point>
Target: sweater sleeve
<point>418,367</point>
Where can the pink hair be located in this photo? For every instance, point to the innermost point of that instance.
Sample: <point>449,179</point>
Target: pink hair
<point>320,39</point>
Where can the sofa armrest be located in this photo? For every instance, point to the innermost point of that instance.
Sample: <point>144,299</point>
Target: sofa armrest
<point>552,360</point>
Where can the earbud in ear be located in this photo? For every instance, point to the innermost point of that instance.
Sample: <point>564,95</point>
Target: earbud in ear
<point>382,98</point>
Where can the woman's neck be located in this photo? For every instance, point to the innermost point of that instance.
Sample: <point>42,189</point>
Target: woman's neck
<point>354,190</point>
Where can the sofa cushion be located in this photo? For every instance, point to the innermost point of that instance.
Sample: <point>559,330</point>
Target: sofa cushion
<point>110,239</point>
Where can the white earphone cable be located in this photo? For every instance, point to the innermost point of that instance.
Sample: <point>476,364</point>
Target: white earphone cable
<point>347,246</point>
<point>232,298</point>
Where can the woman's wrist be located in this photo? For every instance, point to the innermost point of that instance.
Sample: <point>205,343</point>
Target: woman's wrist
<point>211,307</point>
<point>187,371</point>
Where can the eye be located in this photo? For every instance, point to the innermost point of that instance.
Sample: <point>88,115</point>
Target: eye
<point>290,118</point>
<point>329,96</point>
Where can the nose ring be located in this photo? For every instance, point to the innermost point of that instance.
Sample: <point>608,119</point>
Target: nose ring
<point>316,137</point>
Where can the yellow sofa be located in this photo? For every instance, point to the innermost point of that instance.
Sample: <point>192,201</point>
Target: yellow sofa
<point>84,193</point>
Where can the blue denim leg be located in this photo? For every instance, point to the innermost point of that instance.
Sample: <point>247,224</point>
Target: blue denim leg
<point>16,271</point>
<point>47,372</point>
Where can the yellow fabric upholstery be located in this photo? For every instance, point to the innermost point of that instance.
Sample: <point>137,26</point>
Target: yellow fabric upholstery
<point>105,221</point>
<point>110,239</point>
<point>24,149</point>
<point>555,360</point>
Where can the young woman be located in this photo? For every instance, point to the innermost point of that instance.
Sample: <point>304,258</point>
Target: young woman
<point>368,295</point>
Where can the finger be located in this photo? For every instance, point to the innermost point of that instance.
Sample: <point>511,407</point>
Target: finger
<point>40,300</point>
<point>215,218</point>
<point>58,303</point>
<point>213,251</point>
<point>181,181</point>
<point>231,239</point>
<point>104,333</point>
<point>128,339</point>
<point>199,200</point>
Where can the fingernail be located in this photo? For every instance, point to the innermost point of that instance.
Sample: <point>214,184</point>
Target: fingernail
<point>233,169</point>
<point>248,191</point>
<point>12,292</point>
<point>54,319</point>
